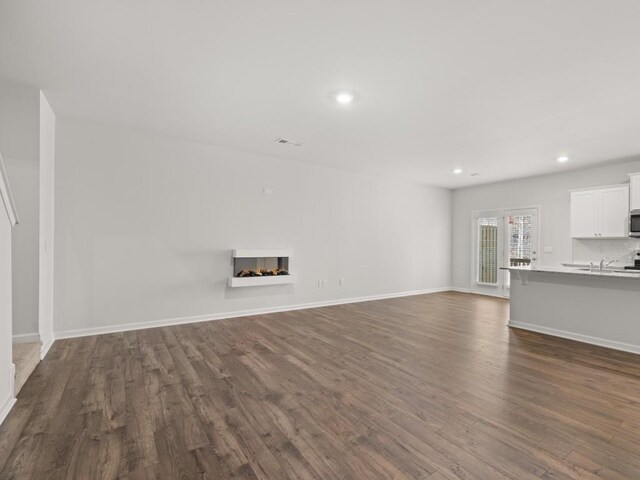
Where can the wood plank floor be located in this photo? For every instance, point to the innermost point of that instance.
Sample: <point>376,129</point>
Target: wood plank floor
<point>427,387</point>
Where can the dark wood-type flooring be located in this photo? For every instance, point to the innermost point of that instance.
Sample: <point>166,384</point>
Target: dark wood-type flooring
<point>426,387</point>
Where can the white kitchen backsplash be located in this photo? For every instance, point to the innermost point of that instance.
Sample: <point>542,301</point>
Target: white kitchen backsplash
<point>593,250</point>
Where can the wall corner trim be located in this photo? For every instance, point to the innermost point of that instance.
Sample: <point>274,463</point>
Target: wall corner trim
<point>6,408</point>
<point>44,349</point>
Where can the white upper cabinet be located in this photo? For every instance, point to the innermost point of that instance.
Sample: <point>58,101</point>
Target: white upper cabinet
<point>584,214</point>
<point>634,192</point>
<point>614,212</point>
<point>600,212</point>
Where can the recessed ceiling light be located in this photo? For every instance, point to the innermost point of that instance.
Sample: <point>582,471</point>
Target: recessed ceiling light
<point>344,97</point>
<point>457,171</point>
<point>563,159</point>
<point>288,141</point>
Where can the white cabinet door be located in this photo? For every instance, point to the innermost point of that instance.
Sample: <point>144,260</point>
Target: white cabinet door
<point>614,212</point>
<point>634,191</point>
<point>584,214</point>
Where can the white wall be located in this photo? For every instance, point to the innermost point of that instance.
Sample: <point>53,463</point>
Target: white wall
<point>24,176</point>
<point>551,193</point>
<point>46,222</point>
<point>621,252</point>
<point>19,146</point>
<point>145,225</point>
<point>19,121</point>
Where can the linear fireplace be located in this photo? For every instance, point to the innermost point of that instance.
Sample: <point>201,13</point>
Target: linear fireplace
<point>255,267</point>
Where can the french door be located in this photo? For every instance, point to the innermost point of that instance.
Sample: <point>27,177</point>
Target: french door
<point>502,238</point>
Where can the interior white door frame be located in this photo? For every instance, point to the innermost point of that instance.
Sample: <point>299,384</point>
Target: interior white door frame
<point>500,291</point>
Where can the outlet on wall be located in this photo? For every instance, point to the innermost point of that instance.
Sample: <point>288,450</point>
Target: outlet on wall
<point>341,281</point>
<point>320,283</point>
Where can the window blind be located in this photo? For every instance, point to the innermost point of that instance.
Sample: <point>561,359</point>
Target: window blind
<point>488,250</point>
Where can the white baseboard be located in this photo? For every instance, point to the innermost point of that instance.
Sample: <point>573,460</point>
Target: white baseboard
<point>6,408</point>
<point>8,404</point>
<point>26,338</point>
<point>44,348</point>
<point>578,337</point>
<point>484,294</point>
<point>494,295</point>
<point>460,290</point>
<point>241,313</point>
<point>468,290</point>
<point>12,379</point>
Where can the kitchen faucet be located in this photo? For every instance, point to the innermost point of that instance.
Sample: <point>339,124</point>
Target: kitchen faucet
<point>604,264</point>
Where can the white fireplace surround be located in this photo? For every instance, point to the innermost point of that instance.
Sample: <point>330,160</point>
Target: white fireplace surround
<point>266,280</point>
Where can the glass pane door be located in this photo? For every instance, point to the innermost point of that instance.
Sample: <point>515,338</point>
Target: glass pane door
<point>521,229</point>
<point>488,253</point>
<point>502,238</point>
<point>487,272</point>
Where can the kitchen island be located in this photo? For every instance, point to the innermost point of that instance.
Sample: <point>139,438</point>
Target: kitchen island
<point>597,307</point>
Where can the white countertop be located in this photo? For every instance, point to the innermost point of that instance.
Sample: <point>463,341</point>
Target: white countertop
<point>633,274</point>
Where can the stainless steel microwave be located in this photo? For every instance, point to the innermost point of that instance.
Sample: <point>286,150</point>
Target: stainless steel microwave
<point>634,223</point>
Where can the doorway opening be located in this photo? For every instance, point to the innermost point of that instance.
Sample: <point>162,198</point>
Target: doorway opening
<point>502,238</point>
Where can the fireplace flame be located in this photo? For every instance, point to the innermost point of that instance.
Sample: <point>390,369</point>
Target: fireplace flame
<point>261,272</point>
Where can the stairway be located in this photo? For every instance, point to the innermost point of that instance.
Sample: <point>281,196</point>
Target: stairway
<point>26,357</point>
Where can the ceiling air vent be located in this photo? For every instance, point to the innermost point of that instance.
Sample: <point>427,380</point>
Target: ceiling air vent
<point>286,141</point>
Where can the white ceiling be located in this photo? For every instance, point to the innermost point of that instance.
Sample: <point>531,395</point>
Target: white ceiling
<point>500,87</point>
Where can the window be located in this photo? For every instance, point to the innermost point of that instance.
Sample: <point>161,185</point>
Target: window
<point>520,240</point>
<point>488,250</point>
